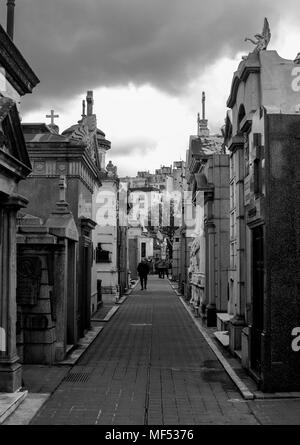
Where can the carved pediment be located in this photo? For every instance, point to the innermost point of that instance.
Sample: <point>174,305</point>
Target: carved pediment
<point>62,225</point>
<point>82,133</point>
<point>13,152</point>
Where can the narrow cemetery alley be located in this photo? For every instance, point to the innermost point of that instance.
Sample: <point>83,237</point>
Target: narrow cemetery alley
<point>150,365</point>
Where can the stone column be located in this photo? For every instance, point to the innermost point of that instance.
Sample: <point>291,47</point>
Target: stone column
<point>238,321</point>
<point>10,369</point>
<point>85,273</point>
<point>89,253</point>
<point>182,258</point>
<point>72,294</point>
<point>60,295</point>
<point>211,312</point>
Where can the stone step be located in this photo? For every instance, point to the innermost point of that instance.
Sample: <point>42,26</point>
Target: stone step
<point>81,347</point>
<point>238,354</point>
<point>222,337</point>
<point>9,402</point>
<point>223,319</point>
<point>69,349</point>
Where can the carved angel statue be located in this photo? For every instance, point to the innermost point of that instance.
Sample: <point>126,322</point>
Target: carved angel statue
<point>263,39</point>
<point>194,260</point>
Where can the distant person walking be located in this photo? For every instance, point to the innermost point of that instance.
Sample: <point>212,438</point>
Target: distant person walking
<point>143,271</point>
<point>162,269</point>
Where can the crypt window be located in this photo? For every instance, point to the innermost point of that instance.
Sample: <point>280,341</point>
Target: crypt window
<point>232,225</point>
<point>102,256</point>
<point>241,116</point>
<point>141,201</point>
<point>246,154</point>
<point>257,177</point>
<point>232,255</point>
<point>232,166</point>
<point>232,194</point>
<point>257,163</point>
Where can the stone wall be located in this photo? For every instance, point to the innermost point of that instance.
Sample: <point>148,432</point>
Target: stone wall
<point>36,334</point>
<point>281,364</point>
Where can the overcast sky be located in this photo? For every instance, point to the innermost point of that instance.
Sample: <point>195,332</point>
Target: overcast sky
<point>147,62</point>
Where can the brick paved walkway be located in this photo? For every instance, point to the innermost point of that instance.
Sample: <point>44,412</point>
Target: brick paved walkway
<point>150,365</point>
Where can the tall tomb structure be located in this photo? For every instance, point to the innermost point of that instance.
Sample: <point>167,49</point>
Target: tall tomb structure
<point>16,80</point>
<point>263,136</point>
<point>207,176</point>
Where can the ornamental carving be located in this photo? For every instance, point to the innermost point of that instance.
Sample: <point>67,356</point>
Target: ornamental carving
<point>29,274</point>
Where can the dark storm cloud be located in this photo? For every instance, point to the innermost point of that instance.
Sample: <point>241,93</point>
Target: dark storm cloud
<point>75,45</point>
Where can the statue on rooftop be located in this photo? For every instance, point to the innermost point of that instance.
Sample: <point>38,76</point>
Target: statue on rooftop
<point>297,60</point>
<point>111,169</point>
<point>263,39</point>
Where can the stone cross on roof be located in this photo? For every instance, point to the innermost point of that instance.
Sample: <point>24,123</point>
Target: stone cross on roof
<point>62,188</point>
<point>61,204</point>
<point>52,116</point>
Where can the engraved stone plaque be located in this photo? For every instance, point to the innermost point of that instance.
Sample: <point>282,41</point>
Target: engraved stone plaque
<point>39,167</point>
<point>36,322</point>
<point>29,273</point>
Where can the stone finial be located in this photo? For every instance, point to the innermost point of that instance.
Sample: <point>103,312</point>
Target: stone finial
<point>203,130</point>
<point>83,109</point>
<point>10,23</point>
<point>263,39</point>
<point>203,104</point>
<point>90,103</point>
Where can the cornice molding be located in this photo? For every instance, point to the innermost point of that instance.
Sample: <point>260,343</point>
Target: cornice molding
<point>250,65</point>
<point>40,151</point>
<point>236,143</point>
<point>14,201</point>
<point>17,71</point>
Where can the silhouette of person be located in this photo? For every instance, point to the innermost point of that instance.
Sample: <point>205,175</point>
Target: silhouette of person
<point>143,271</point>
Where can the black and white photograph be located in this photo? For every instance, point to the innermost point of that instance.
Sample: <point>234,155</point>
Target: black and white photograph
<point>149,216</point>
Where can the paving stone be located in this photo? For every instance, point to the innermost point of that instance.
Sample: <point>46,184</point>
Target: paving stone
<point>151,365</point>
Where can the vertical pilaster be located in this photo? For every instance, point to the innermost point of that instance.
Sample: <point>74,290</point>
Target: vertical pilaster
<point>238,321</point>
<point>60,293</point>
<point>211,312</point>
<point>10,369</point>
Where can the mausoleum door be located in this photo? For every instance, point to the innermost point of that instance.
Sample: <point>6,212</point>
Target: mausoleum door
<point>133,259</point>
<point>72,295</point>
<point>257,297</point>
<point>84,296</point>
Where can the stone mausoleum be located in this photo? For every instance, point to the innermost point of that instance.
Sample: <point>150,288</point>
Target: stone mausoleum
<point>16,80</point>
<point>46,284</point>
<point>75,157</point>
<point>207,174</point>
<point>263,136</point>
